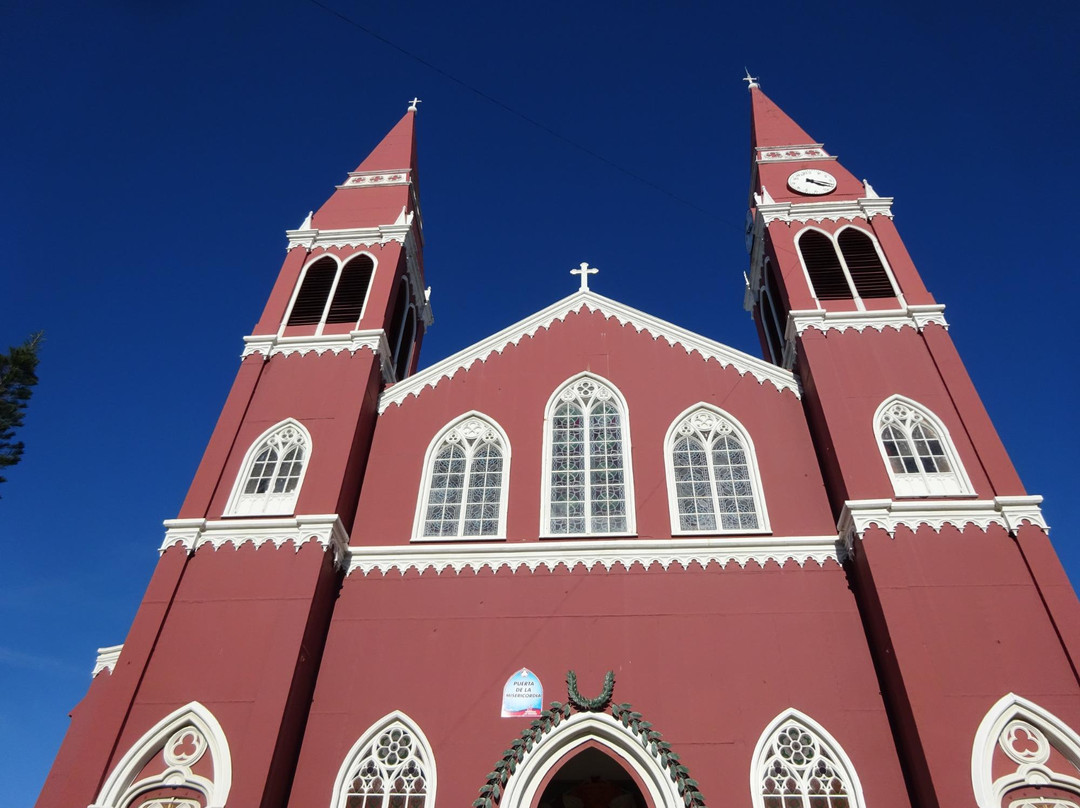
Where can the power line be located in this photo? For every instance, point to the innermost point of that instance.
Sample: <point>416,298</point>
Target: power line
<point>507,108</point>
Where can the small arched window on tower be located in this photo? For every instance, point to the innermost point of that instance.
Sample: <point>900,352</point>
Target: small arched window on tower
<point>463,494</point>
<point>845,267</point>
<point>588,487</point>
<point>331,293</point>
<point>797,764</point>
<point>391,766</point>
<point>272,472</point>
<point>713,482</point>
<point>918,451</point>
<point>401,336</point>
<point>770,314</point>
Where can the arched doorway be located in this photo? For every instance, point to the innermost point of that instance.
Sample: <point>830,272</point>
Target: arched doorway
<point>592,779</point>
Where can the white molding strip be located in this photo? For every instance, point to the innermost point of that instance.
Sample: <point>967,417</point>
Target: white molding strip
<point>365,179</point>
<point>589,553</point>
<point>326,529</point>
<point>829,210</point>
<point>373,340</point>
<point>106,659</point>
<point>590,301</point>
<point>914,316</point>
<point>788,154</point>
<point>888,514</point>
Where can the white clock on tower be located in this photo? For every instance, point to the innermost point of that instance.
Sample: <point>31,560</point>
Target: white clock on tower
<point>812,181</point>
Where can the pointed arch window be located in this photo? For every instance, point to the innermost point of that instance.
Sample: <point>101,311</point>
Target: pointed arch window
<point>391,766</point>
<point>797,764</point>
<point>402,335</point>
<point>588,483</point>
<point>332,293</point>
<point>918,452</point>
<point>272,472</point>
<point>463,494</point>
<point>713,480</point>
<point>845,266</point>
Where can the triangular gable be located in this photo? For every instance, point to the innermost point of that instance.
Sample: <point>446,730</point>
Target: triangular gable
<point>590,301</point>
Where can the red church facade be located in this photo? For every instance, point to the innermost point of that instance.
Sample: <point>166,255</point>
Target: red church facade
<point>811,580</point>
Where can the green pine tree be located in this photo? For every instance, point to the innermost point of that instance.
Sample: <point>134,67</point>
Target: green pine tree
<point>17,380</point>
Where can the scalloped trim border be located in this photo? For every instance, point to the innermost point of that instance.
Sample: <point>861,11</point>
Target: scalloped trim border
<point>326,529</point>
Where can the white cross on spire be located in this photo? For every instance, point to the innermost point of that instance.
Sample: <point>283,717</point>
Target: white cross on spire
<point>584,271</point>
<point>413,103</point>
<point>751,81</point>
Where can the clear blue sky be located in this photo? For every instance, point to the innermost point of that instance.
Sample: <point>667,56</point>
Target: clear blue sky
<point>155,153</point>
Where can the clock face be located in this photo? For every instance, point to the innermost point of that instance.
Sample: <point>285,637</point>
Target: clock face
<point>812,181</point>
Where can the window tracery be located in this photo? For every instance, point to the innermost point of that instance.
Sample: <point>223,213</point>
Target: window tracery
<point>272,472</point>
<point>588,474</point>
<point>465,487</point>
<point>389,767</point>
<point>799,766</point>
<point>918,452</point>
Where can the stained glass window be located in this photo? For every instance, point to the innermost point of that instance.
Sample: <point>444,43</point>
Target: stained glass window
<point>273,473</point>
<point>715,487</point>
<point>390,771</point>
<point>799,770</point>
<point>588,486</point>
<point>466,482</point>
<point>918,452</point>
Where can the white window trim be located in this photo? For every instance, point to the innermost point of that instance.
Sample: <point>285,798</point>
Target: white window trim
<point>121,788</point>
<point>1009,708</point>
<point>904,487</point>
<point>424,751</point>
<point>751,463</point>
<point>834,238</point>
<point>425,481</point>
<point>757,771</point>
<point>341,264</point>
<point>628,462</point>
<point>249,460</point>
<point>573,735</point>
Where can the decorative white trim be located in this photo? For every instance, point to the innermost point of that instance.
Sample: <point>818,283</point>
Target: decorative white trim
<point>592,302</point>
<point>1045,730</point>
<point>326,529</point>
<point>373,340</point>
<point>911,316</point>
<point>269,503</point>
<point>888,514</point>
<point>562,743</point>
<point>345,774</point>
<point>751,463</point>
<point>832,210</point>
<point>204,731</point>
<point>839,756</point>
<point>921,483</point>
<point>425,480</point>
<point>789,154</point>
<point>604,388</point>
<point>591,552</point>
<point>106,659</point>
<point>365,179</point>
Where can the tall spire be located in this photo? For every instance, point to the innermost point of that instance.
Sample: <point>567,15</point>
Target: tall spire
<point>770,126</point>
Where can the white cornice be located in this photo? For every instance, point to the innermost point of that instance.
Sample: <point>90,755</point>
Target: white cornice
<point>366,179</point>
<point>889,514</point>
<point>828,210</point>
<point>788,154</point>
<point>590,301</point>
<point>326,529</point>
<point>590,552</point>
<point>106,659</point>
<point>915,316</point>
<point>272,344</point>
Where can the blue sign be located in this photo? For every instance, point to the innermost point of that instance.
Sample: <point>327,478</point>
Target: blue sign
<point>522,695</point>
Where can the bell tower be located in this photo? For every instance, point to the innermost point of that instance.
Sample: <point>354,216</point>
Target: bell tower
<point>946,552</point>
<point>228,639</point>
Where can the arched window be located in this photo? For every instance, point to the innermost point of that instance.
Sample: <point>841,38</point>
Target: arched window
<point>272,472</point>
<point>184,757</point>
<point>770,314</point>
<point>845,267</point>
<point>1025,757</point>
<point>918,452</point>
<point>797,764</point>
<point>463,493</point>
<point>391,766</point>
<point>330,293</point>
<point>405,345</point>
<point>402,334</point>
<point>588,484</point>
<point>713,481</point>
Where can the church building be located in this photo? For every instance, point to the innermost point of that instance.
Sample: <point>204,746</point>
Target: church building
<point>596,560</point>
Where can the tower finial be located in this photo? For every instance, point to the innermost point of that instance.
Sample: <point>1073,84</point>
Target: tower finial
<point>413,103</point>
<point>751,81</point>
<point>584,271</point>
